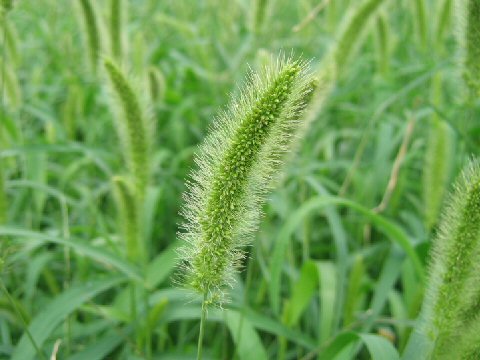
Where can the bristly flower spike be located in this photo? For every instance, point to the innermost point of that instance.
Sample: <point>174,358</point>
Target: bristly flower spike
<point>235,168</point>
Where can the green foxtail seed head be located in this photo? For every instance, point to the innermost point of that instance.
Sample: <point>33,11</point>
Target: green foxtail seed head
<point>92,32</point>
<point>133,127</point>
<point>236,166</point>
<point>472,33</point>
<point>128,215</point>
<point>467,20</point>
<point>352,31</point>
<point>454,262</point>
<point>116,28</point>
<point>258,15</point>
<point>157,84</point>
<point>439,158</point>
<point>3,195</point>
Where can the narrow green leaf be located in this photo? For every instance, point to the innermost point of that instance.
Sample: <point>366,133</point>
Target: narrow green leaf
<point>56,311</point>
<point>94,253</point>
<point>246,339</point>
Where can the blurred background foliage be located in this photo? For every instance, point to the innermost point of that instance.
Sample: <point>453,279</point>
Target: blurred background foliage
<point>325,278</point>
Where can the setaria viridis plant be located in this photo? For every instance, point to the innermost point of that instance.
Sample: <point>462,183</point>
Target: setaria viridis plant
<point>451,310</point>
<point>236,165</point>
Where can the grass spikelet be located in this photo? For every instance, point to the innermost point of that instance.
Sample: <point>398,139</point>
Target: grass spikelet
<point>116,28</point>
<point>236,166</point>
<point>133,128</point>
<point>157,83</point>
<point>72,110</point>
<point>128,217</point>
<point>3,195</point>
<point>258,15</point>
<point>353,28</point>
<point>453,269</point>
<point>472,56</point>
<point>92,32</point>
<point>439,158</point>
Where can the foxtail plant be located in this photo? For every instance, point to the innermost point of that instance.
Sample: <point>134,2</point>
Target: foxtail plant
<point>3,195</point>
<point>92,31</point>
<point>354,27</point>
<point>117,12</point>
<point>134,128</point>
<point>156,81</point>
<point>258,14</point>
<point>453,286</point>
<point>468,16</point>
<point>335,62</point>
<point>439,158</point>
<point>128,218</point>
<point>236,166</point>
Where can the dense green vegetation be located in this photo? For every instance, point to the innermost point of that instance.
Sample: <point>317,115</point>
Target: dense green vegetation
<point>104,106</point>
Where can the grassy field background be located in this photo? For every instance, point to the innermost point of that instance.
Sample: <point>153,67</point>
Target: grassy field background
<point>337,269</point>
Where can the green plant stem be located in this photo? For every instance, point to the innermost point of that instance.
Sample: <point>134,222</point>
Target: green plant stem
<point>22,320</point>
<point>202,327</point>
